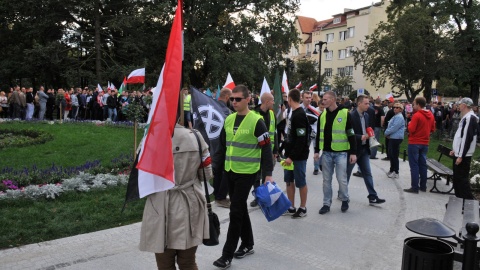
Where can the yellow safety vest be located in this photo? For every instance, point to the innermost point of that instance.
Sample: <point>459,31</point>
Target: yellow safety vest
<point>243,152</point>
<point>339,135</point>
<point>186,103</point>
<point>271,127</point>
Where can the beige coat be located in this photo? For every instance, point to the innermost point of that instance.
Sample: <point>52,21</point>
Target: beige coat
<point>177,218</point>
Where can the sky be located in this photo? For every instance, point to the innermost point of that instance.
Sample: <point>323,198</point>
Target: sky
<point>324,9</point>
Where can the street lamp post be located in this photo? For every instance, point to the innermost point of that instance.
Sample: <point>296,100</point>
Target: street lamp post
<point>319,82</point>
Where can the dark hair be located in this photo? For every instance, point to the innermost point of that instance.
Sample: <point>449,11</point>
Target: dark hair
<point>421,101</point>
<point>306,92</point>
<point>294,94</point>
<point>241,89</point>
<point>360,98</point>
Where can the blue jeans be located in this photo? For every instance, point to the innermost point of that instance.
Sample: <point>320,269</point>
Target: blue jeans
<point>112,114</point>
<point>334,161</point>
<point>363,161</point>
<point>373,151</point>
<point>417,159</point>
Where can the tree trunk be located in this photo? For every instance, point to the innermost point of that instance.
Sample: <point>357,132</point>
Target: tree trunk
<point>98,58</point>
<point>474,90</point>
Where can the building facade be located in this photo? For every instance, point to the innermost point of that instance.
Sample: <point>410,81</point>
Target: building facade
<point>343,34</point>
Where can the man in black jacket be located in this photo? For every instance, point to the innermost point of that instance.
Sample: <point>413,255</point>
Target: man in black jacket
<point>360,122</point>
<point>296,152</point>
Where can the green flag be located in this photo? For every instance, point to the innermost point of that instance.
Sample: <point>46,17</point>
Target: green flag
<point>277,92</point>
<point>123,86</point>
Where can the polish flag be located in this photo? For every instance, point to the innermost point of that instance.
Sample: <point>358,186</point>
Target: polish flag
<point>285,83</point>
<point>389,97</point>
<point>155,162</point>
<point>100,89</point>
<point>313,87</point>
<point>229,83</point>
<point>265,89</point>
<point>137,76</point>
<point>299,85</point>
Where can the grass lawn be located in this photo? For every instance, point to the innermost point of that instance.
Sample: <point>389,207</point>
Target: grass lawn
<point>27,221</point>
<point>73,144</point>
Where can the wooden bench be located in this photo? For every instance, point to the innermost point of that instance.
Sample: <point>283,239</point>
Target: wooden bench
<point>459,212</point>
<point>440,170</point>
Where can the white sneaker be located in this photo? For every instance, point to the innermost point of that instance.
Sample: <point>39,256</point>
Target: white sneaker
<point>393,175</point>
<point>389,174</point>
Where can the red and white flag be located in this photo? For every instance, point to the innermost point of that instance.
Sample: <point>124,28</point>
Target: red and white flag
<point>155,163</point>
<point>389,97</point>
<point>137,76</point>
<point>313,87</point>
<point>265,89</point>
<point>229,82</point>
<point>299,85</point>
<point>285,83</point>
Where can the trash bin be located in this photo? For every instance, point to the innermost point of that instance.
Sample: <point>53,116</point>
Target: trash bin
<point>420,253</point>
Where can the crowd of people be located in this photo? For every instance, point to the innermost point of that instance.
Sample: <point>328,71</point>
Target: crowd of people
<point>77,104</point>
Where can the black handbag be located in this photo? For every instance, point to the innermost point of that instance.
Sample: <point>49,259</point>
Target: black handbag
<point>212,217</point>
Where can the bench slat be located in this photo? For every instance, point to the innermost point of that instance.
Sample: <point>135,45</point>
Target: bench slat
<point>439,167</point>
<point>453,216</point>
<point>470,214</point>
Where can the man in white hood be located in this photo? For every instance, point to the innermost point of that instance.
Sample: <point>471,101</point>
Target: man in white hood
<point>463,148</point>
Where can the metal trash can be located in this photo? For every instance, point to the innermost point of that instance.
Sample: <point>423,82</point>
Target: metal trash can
<point>421,253</point>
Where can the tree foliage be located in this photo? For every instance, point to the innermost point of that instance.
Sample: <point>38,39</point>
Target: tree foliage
<point>340,84</point>
<point>405,52</point>
<point>85,42</point>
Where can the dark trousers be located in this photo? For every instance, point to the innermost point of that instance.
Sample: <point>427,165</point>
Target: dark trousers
<point>240,227</point>
<point>461,179</point>
<point>387,141</point>
<point>184,258</point>
<point>394,150</point>
<point>220,184</point>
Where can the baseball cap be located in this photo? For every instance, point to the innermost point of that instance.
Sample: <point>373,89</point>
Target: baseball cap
<point>466,101</point>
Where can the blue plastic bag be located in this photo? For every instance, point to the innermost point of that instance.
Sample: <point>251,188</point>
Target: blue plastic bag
<point>271,200</point>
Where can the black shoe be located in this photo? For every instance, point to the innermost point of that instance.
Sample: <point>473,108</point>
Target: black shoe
<point>359,174</point>
<point>386,158</point>
<point>325,209</point>
<point>373,157</point>
<point>344,206</point>
<point>376,201</point>
<point>300,213</point>
<point>242,252</point>
<point>290,212</point>
<point>223,263</point>
<point>315,172</point>
<point>254,203</point>
<point>411,190</point>
<point>423,190</point>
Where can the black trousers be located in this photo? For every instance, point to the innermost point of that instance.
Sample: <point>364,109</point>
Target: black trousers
<point>240,227</point>
<point>220,184</point>
<point>461,179</point>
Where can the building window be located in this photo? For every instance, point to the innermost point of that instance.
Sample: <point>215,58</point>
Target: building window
<point>341,72</point>
<point>350,32</point>
<point>308,48</point>
<point>336,20</point>
<point>342,35</point>
<point>349,52</point>
<point>329,55</point>
<point>328,72</point>
<point>330,37</point>
<point>349,71</point>
<point>347,90</point>
<point>341,54</point>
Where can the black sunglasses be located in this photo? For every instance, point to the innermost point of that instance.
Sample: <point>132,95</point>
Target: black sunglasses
<point>237,99</point>
<point>397,107</point>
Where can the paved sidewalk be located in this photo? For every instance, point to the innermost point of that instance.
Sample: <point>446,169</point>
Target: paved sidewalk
<point>365,237</point>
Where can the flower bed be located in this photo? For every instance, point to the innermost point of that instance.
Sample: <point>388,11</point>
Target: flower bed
<point>55,174</point>
<point>20,138</point>
<point>82,182</point>
<point>475,175</point>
